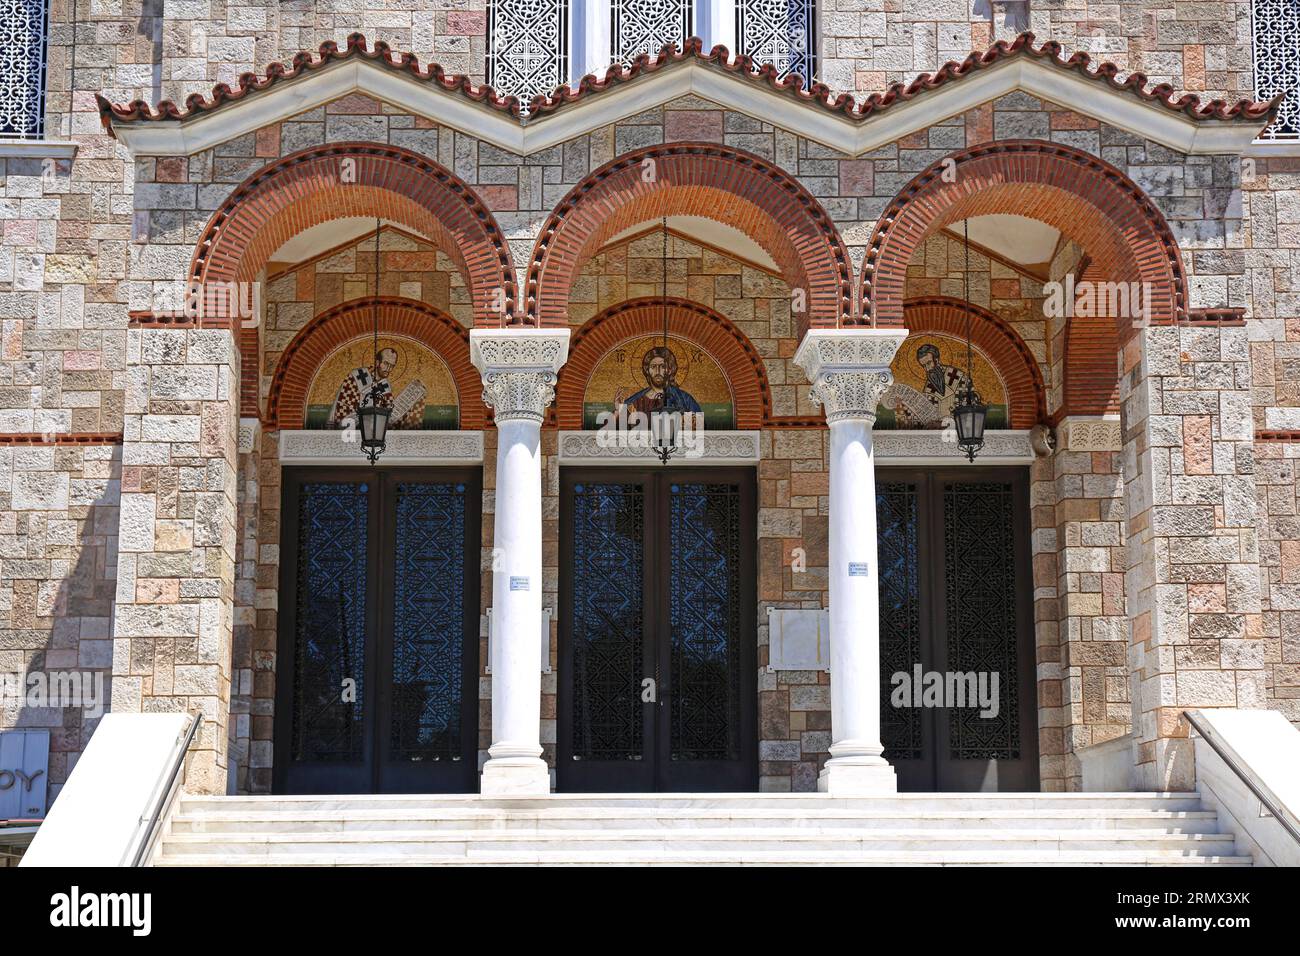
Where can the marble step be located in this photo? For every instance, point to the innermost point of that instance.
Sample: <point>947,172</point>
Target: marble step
<point>464,843</point>
<point>286,820</point>
<point>726,858</point>
<point>673,803</point>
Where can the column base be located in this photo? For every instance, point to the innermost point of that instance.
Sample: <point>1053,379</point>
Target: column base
<point>515,776</point>
<point>850,777</point>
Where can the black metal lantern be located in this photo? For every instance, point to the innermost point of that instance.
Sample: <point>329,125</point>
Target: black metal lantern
<point>372,418</point>
<point>664,423</point>
<point>968,416</point>
<point>372,422</point>
<point>969,413</point>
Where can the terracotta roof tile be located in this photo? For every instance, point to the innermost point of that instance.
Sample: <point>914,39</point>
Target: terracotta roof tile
<point>818,94</point>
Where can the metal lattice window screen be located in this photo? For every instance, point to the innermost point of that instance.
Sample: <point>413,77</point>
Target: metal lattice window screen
<point>528,47</point>
<point>1276,36</point>
<point>644,26</point>
<point>780,32</point>
<point>23,26</point>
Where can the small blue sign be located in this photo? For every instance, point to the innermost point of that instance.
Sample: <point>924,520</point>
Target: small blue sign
<point>520,584</point>
<point>857,569</point>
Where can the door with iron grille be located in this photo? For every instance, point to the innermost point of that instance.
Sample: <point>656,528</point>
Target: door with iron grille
<point>957,699</point>
<point>657,631</point>
<point>378,647</point>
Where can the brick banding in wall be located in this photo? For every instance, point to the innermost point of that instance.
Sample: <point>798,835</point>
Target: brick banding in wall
<point>1285,436</point>
<point>693,179</point>
<point>997,340</point>
<point>1217,318</point>
<point>370,180</point>
<point>63,438</point>
<point>145,319</point>
<point>740,361</point>
<point>303,356</point>
<point>1087,199</point>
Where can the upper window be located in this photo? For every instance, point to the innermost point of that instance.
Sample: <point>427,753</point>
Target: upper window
<point>1276,31</point>
<point>780,32</point>
<point>527,48</point>
<point>644,26</point>
<point>22,68</point>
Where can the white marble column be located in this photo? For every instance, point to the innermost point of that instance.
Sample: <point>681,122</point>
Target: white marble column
<point>518,368</point>
<point>849,371</point>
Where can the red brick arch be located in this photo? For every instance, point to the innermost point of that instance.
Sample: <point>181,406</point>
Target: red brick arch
<point>693,179</point>
<point>322,183</point>
<point>740,361</point>
<point>1084,197</point>
<point>996,339</point>
<point>315,341</point>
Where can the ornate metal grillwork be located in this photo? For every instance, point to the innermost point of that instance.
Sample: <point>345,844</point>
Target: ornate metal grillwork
<point>980,598</point>
<point>528,47</point>
<point>428,621</point>
<point>704,617</point>
<point>644,26</point>
<point>23,26</point>
<point>900,613</point>
<point>1276,36</point>
<point>608,561</point>
<point>330,630</point>
<point>780,32</point>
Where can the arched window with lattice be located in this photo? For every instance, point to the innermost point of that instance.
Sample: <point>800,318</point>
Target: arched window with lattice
<point>1275,35</point>
<point>780,32</point>
<point>23,34</point>
<point>527,47</point>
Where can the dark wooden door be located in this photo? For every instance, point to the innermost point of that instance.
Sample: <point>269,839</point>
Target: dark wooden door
<point>657,634</point>
<point>956,593</point>
<point>378,622</point>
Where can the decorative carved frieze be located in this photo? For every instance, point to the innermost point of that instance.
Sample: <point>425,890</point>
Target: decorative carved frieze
<point>716,448</point>
<point>519,369</point>
<point>332,447</point>
<point>849,369</point>
<point>1000,447</point>
<point>1090,434</point>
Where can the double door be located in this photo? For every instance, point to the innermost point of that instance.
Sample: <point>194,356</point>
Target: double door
<point>657,675</point>
<point>378,619</point>
<point>958,707</point>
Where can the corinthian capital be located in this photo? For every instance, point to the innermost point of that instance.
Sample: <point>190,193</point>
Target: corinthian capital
<point>519,369</point>
<point>849,369</point>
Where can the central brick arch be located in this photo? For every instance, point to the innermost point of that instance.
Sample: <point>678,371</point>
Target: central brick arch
<point>336,181</point>
<point>315,341</point>
<point>740,361</point>
<point>1084,197</point>
<point>693,179</point>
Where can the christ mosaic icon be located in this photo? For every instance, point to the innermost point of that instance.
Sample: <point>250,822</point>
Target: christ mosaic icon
<point>930,378</point>
<point>644,376</point>
<point>402,375</point>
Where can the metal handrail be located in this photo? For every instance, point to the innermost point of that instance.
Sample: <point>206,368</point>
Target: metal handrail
<point>170,785</point>
<point>1266,800</point>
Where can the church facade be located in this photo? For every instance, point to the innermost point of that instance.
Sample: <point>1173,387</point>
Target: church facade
<point>671,354</point>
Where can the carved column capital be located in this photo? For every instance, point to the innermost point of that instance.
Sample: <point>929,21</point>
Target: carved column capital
<point>519,369</point>
<point>849,369</point>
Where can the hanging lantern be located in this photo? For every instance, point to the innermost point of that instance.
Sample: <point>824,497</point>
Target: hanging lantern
<point>969,413</point>
<point>372,422</point>
<point>372,418</point>
<point>664,424</point>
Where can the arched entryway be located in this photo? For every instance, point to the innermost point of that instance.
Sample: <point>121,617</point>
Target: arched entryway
<point>1108,267</point>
